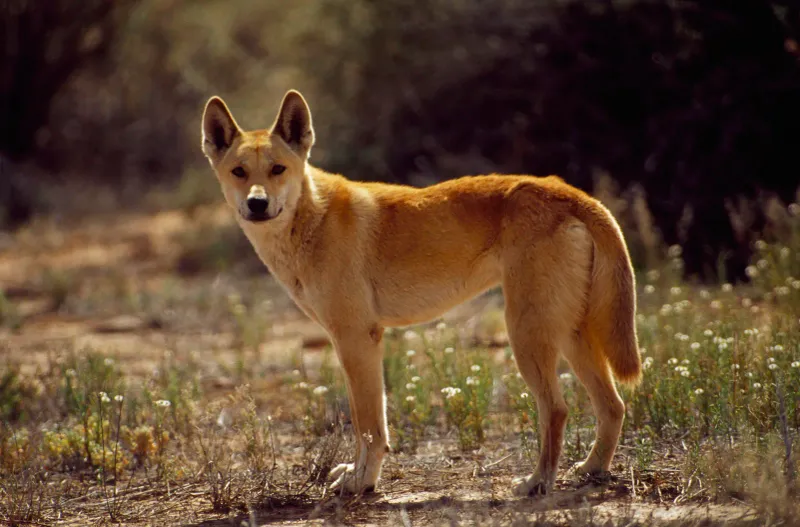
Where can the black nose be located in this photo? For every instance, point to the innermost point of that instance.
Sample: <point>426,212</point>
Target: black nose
<point>257,205</point>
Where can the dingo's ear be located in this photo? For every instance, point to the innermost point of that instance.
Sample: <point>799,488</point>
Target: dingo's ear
<point>219,129</point>
<point>293,123</point>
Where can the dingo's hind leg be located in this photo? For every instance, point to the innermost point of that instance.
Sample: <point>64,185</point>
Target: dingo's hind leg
<point>536,353</point>
<point>545,282</point>
<point>591,368</point>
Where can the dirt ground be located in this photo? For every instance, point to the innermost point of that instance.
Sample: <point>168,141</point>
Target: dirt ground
<point>65,281</point>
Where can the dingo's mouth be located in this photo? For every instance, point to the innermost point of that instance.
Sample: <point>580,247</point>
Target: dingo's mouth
<point>259,217</point>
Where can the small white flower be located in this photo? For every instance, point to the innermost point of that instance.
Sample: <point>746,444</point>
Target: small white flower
<point>794,209</point>
<point>524,395</point>
<point>773,366</point>
<point>746,302</point>
<point>649,289</point>
<point>675,291</point>
<point>751,271</point>
<point>734,366</point>
<point>715,304</point>
<point>761,245</point>
<point>472,381</point>
<point>653,275</point>
<point>302,385</point>
<point>295,373</point>
<point>771,359</point>
<point>410,353</point>
<point>320,390</point>
<point>762,264</point>
<point>411,386</point>
<point>416,378</point>
<point>695,346</point>
<point>722,346</point>
<point>648,362</point>
<point>163,403</point>
<point>795,284</point>
<point>704,294</point>
<point>757,385</point>
<point>698,391</point>
<point>475,368</point>
<point>103,397</point>
<point>685,373</point>
<point>451,392</point>
<point>643,351</point>
<point>749,374</point>
<point>441,326</point>
<point>410,398</point>
<point>673,360</point>
<point>449,350</point>
<point>727,287</point>
<point>785,252</point>
<point>665,310</point>
<point>119,398</point>
<point>796,364</point>
<point>782,290</point>
<point>685,361</point>
<point>674,251</point>
<point>566,376</point>
<point>708,333</point>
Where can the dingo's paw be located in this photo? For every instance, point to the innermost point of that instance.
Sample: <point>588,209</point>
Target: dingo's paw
<point>589,469</point>
<point>346,480</point>
<point>586,472</point>
<point>586,468</point>
<point>530,486</point>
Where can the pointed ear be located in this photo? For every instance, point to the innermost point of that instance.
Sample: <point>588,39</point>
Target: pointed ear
<point>293,124</point>
<point>219,129</point>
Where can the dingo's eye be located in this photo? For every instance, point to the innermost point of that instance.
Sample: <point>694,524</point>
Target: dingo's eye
<point>239,172</point>
<point>278,169</point>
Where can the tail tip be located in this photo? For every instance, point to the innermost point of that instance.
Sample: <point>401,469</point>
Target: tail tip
<point>628,370</point>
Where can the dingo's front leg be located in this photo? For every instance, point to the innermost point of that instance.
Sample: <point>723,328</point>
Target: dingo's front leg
<point>362,359</point>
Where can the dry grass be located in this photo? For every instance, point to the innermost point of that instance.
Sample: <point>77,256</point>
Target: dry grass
<point>133,393</point>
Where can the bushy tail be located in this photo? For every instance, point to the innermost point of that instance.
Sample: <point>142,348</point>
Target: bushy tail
<point>611,323</point>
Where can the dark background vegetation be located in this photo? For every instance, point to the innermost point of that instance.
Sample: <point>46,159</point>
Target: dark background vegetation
<point>694,105</point>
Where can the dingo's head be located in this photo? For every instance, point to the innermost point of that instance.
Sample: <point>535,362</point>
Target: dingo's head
<point>262,172</point>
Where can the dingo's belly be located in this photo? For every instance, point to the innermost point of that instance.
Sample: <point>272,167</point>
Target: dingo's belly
<point>405,296</point>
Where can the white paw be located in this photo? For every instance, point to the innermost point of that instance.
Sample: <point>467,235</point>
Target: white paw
<point>588,467</point>
<point>589,472</point>
<point>530,486</point>
<point>348,480</point>
<point>583,468</point>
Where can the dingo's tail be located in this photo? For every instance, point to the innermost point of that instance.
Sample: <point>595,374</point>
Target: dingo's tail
<point>611,324</point>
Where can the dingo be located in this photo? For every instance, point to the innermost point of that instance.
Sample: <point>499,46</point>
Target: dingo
<point>358,257</point>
